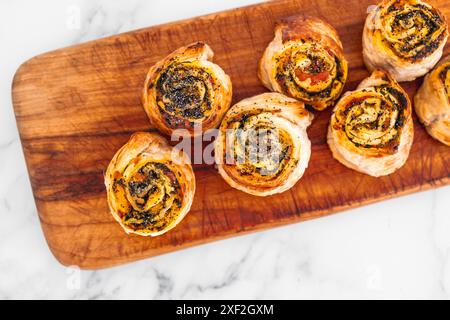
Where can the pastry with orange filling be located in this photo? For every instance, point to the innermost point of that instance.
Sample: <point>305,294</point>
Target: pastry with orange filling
<point>371,128</point>
<point>305,61</point>
<point>150,185</point>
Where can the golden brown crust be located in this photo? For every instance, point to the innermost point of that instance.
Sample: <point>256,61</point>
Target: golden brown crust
<point>432,102</point>
<point>186,90</point>
<point>263,147</point>
<point>371,128</point>
<point>305,61</point>
<point>404,37</point>
<point>150,185</point>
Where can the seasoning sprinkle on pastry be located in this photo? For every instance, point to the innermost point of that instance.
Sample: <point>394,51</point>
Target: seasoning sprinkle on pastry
<point>371,128</point>
<point>305,61</point>
<point>404,37</point>
<point>150,185</point>
<point>262,147</point>
<point>185,90</point>
<point>432,102</point>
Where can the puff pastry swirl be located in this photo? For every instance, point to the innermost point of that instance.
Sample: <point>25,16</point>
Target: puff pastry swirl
<point>404,37</point>
<point>150,185</point>
<point>371,128</point>
<point>432,102</point>
<point>262,147</point>
<point>185,90</point>
<point>305,61</point>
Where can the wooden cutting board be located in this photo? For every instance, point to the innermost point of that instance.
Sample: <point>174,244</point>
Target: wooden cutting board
<point>76,106</point>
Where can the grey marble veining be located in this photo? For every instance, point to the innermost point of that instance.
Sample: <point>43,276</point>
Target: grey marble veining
<point>395,249</point>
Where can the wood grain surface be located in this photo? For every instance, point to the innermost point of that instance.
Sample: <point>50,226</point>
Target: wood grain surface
<point>76,106</point>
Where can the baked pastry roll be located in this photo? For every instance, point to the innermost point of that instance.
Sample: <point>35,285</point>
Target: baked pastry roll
<point>371,128</point>
<point>186,90</point>
<point>262,147</point>
<point>432,102</point>
<point>404,37</point>
<point>305,61</point>
<point>150,185</point>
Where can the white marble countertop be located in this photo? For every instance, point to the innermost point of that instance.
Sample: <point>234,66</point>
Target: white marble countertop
<point>395,249</point>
